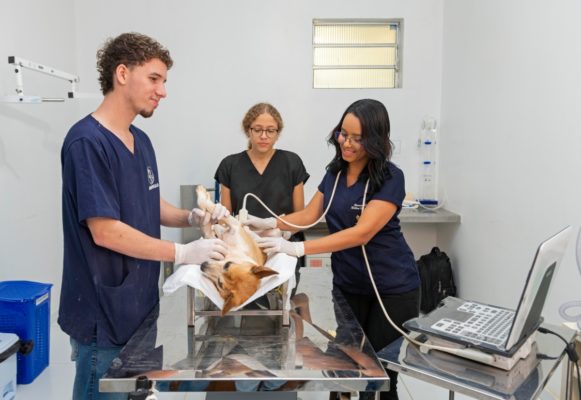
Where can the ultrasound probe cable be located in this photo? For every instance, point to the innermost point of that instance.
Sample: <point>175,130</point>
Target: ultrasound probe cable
<point>462,352</point>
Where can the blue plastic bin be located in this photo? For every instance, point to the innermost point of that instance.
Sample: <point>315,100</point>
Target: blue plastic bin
<point>25,311</point>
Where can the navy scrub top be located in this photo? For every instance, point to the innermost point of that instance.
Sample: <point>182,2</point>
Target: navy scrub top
<point>391,260</point>
<point>106,295</point>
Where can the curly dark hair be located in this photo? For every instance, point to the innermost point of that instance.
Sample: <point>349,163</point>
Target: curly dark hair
<point>375,128</point>
<point>130,49</point>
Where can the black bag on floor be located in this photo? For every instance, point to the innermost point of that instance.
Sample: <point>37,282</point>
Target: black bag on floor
<point>436,279</point>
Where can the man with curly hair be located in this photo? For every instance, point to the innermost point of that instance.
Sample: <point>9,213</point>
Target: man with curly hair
<point>112,212</point>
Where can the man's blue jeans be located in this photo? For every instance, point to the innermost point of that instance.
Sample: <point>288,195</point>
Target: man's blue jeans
<point>91,363</point>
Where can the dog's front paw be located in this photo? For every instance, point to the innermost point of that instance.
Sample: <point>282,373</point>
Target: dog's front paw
<point>203,199</point>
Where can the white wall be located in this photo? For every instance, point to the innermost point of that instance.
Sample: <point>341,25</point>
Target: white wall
<point>229,55</point>
<point>510,141</point>
<point>504,74</point>
<point>30,139</point>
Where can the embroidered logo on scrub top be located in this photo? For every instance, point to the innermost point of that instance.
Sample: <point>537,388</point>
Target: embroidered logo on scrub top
<point>357,207</point>
<point>151,178</point>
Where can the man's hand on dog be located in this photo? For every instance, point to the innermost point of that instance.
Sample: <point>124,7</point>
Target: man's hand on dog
<point>260,224</point>
<point>200,250</point>
<point>272,245</point>
<point>199,217</point>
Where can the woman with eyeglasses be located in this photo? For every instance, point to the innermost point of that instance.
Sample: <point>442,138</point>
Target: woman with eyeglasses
<point>364,211</point>
<point>276,176</point>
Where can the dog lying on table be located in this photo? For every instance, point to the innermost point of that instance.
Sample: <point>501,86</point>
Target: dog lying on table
<point>238,276</point>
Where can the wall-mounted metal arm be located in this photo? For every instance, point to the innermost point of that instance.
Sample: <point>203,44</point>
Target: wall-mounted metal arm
<point>20,63</point>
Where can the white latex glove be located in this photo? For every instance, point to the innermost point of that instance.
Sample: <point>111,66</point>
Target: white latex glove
<point>259,224</point>
<point>219,212</point>
<point>200,250</point>
<point>274,233</point>
<point>272,245</point>
<point>199,217</point>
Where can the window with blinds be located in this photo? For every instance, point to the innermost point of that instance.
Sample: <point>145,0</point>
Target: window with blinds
<point>355,54</point>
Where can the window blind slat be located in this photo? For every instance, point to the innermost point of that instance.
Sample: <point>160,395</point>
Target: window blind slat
<point>356,53</point>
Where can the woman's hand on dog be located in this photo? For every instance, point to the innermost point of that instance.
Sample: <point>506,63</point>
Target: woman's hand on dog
<point>200,250</point>
<point>260,224</point>
<point>271,245</point>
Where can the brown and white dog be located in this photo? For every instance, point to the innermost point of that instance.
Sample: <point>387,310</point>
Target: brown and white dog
<point>238,276</point>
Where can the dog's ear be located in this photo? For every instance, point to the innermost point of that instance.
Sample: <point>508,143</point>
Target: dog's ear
<point>262,272</point>
<point>228,303</point>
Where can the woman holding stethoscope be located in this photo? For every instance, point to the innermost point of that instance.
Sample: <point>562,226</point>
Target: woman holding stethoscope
<point>364,210</point>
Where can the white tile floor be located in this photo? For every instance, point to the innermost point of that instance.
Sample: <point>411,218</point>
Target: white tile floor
<point>55,382</point>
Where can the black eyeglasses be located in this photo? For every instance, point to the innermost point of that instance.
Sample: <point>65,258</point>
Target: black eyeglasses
<point>342,137</point>
<point>270,132</point>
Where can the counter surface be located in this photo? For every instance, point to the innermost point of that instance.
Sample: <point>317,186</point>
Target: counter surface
<point>409,216</point>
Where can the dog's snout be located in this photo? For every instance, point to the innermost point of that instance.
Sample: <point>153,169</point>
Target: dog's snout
<point>204,266</point>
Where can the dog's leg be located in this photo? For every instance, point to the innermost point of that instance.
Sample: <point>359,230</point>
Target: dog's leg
<point>206,204</point>
<point>207,231</point>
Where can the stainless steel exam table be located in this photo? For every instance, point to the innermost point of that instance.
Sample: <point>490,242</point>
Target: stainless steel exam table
<point>249,353</point>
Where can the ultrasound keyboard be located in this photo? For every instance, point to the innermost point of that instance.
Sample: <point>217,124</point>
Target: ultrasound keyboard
<point>487,324</point>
